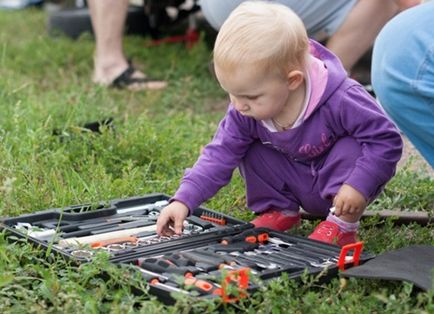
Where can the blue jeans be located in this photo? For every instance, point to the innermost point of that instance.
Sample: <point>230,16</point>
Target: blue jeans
<point>403,75</point>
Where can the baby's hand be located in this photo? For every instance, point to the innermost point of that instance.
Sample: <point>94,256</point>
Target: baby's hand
<point>349,202</point>
<point>171,219</point>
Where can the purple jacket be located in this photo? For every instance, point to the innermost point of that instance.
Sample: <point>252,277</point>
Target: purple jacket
<point>345,109</point>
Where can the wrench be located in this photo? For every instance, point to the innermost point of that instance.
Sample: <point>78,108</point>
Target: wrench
<point>311,248</point>
<point>304,253</point>
<point>257,262</point>
<point>281,261</point>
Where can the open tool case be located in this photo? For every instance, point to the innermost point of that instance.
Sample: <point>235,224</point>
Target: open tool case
<point>216,256</point>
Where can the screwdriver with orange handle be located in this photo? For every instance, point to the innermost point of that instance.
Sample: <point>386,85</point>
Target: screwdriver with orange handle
<point>255,235</point>
<point>167,270</point>
<point>160,265</point>
<point>114,241</point>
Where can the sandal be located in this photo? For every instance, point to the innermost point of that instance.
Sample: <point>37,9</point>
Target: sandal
<point>126,81</point>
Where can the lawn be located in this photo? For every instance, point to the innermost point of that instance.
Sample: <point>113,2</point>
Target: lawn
<point>45,85</point>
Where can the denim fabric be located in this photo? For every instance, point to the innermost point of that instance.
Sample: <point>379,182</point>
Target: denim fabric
<point>403,75</point>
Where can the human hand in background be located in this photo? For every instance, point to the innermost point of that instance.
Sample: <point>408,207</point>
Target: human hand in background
<point>349,203</point>
<point>171,219</point>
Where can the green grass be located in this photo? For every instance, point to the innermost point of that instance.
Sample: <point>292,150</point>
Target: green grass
<point>45,85</point>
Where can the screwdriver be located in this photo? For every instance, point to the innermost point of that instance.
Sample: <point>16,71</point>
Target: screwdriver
<point>255,235</point>
<point>235,246</point>
<point>163,266</point>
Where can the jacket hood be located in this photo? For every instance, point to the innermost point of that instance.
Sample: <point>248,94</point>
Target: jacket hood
<point>335,70</point>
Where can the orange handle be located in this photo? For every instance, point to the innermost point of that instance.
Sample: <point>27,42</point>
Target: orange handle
<point>113,241</point>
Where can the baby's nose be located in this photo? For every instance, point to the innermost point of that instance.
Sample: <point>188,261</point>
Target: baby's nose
<point>241,105</point>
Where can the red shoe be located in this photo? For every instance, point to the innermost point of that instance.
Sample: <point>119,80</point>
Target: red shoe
<point>329,232</point>
<point>276,220</point>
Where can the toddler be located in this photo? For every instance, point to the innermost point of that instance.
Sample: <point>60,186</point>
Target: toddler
<point>302,133</point>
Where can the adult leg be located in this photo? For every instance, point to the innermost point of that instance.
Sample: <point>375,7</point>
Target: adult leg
<point>317,15</point>
<point>359,30</point>
<point>403,75</point>
<point>108,20</point>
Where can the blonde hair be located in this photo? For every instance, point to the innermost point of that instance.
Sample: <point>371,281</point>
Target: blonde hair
<point>267,35</point>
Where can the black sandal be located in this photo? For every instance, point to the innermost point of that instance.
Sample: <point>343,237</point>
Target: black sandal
<point>126,81</point>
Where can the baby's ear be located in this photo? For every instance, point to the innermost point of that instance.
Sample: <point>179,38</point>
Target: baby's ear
<point>295,78</point>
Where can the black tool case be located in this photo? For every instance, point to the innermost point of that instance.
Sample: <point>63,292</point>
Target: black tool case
<point>217,256</point>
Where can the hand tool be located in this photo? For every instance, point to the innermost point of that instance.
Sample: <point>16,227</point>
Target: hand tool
<point>124,226</point>
<point>178,259</point>
<point>213,217</point>
<point>118,222</point>
<point>265,264</point>
<point>157,205</point>
<point>255,235</point>
<point>119,215</point>
<point>310,247</point>
<point>191,228</point>
<point>164,286</point>
<point>146,274</point>
<point>190,282</point>
<point>202,286</point>
<point>108,228</point>
<point>165,266</point>
<point>191,260</point>
<point>316,262</point>
<point>303,252</point>
<point>293,259</point>
<point>82,253</point>
<point>155,278</point>
<point>281,262</point>
<point>285,256</point>
<point>69,226</point>
<point>208,261</point>
<point>237,246</point>
<point>45,235</point>
<point>35,232</point>
<point>199,222</point>
<point>127,242</point>
<point>197,257</point>
<point>105,236</point>
<point>113,241</point>
<point>245,263</point>
<point>114,248</point>
<point>155,282</point>
<point>222,258</point>
<point>228,259</point>
<point>145,234</point>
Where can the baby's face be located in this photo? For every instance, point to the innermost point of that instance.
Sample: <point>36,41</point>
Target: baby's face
<point>255,93</point>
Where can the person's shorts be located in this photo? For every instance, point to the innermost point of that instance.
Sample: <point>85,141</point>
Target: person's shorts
<point>319,16</point>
